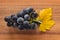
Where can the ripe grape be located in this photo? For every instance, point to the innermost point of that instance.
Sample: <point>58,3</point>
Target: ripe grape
<point>20,20</point>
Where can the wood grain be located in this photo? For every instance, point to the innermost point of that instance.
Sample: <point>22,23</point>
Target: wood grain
<point>8,7</point>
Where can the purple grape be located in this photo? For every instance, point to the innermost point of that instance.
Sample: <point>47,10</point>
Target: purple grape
<point>34,15</point>
<point>20,20</point>
<point>27,17</point>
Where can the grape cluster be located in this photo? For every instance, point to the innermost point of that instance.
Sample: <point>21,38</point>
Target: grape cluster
<point>24,19</point>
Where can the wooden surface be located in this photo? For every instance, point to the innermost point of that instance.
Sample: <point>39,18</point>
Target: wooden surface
<point>8,7</point>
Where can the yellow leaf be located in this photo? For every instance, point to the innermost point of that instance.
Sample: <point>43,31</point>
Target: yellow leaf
<point>45,16</point>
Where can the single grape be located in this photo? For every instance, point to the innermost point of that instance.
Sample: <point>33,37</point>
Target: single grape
<point>34,15</point>
<point>14,18</point>
<point>33,25</point>
<point>20,20</point>
<point>27,17</point>
<point>7,19</point>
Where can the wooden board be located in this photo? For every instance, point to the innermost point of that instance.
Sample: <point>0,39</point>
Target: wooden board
<point>8,7</point>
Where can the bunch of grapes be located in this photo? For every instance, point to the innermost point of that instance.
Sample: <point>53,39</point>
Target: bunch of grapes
<point>24,19</point>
